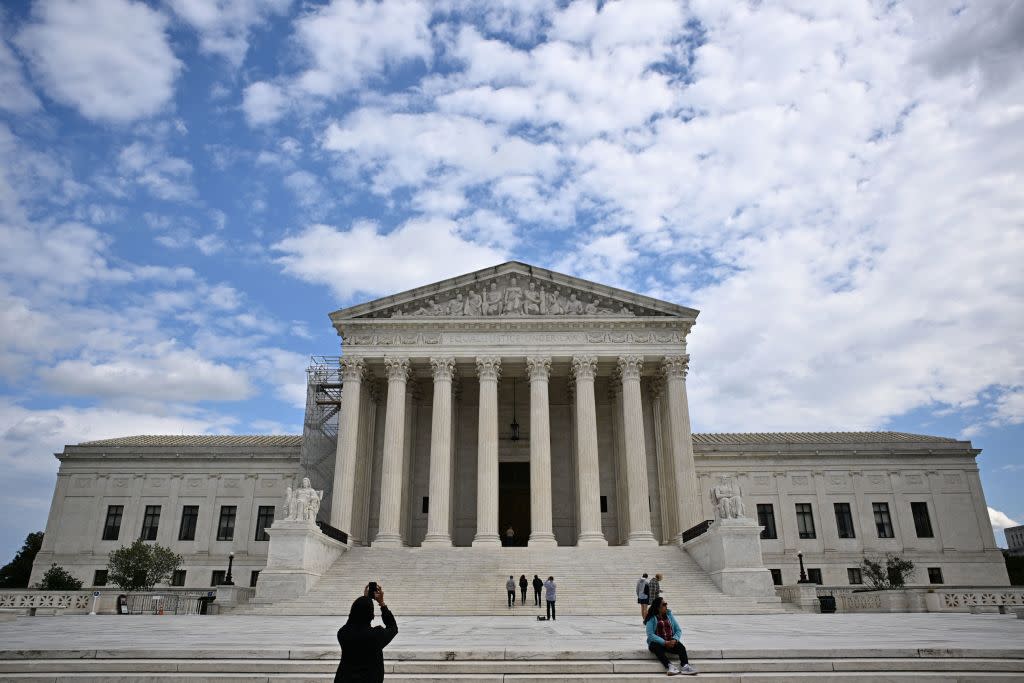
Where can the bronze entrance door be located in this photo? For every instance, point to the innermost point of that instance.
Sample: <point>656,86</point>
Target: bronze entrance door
<point>514,501</point>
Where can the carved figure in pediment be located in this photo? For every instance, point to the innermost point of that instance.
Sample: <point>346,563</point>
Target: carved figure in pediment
<point>554,305</point>
<point>492,300</point>
<point>544,300</point>
<point>625,310</point>
<point>574,306</point>
<point>431,308</point>
<point>455,305</point>
<point>474,304</point>
<point>591,308</point>
<point>533,298</point>
<point>513,298</point>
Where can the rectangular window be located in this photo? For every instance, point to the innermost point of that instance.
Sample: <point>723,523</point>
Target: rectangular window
<point>189,517</point>
<point>853,573</point>
<point>604,503</point>
<point>814,576</point>
<point>150,523</point>
<point>217,578</point>
<point>254,576</point>
<point>776,576</point>
<point>178,577</point>
<point>226,525</point>
<point>805,520</point>
<point>922,522</point>
<point>112,527</point>
<point>766,518</point>
<point>935,575</point>
<point>264,519</point>
<point>883,523</point>
<point>99,578</point>
<point>844,520</point>
<point>425,506</point>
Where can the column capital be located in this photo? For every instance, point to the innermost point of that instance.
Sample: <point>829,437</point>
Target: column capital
<point>397,368</point>
<point>584,367</point>
<point>676,366</point>
<point>443,368</point>
<point>630,366</point>
<point>353,368</point>
<point>539,367</point>
<point>488,367</point>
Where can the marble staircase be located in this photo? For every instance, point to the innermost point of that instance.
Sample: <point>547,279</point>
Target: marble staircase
<point>471,582</point>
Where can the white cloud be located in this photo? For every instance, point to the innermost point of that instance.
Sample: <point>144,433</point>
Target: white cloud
<point>164,176</point>
<point>263,103</point>
<point>108,58</point>
<point>224,25</point>
<point>349,261</point>
<point>999,520</point>
<point>352,41</point>
<point>15,95</point>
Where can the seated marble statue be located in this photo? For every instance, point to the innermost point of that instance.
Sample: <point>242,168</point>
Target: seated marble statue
<point>725,496</point>
<point>302,504</point>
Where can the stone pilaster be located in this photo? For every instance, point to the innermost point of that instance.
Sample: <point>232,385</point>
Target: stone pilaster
<point>688,510</point>
<point>489,369</point>
<point>630,367</point>
<point>541,533</point>
<point>352,372</point>
<point>389,533</point>
<point>584,369</point>
<point>440,487</point>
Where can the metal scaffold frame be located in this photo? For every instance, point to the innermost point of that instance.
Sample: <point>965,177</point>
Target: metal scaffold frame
<point>320,425</point>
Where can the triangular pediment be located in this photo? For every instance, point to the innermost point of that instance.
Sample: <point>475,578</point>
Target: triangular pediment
<point>513,290</point>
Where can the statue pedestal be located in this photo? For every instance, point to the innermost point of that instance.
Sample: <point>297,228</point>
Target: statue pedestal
<point>298,556</point>
<point>730,552</point>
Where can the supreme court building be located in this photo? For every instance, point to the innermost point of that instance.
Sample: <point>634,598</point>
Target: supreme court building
<point>519,397</point>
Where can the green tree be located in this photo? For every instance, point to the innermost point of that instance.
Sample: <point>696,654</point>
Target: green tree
<point>893,574</point>
<point>140,566</point>
<point>57,578</point>
<point>15,574</point>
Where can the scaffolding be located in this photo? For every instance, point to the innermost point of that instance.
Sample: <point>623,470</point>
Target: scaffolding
<point>320,425</point>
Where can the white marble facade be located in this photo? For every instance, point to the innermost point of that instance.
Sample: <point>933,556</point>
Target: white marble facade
<point>605,455</point>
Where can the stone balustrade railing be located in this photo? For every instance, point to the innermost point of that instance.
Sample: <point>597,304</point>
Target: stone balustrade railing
<point>68,602</point>
<point>924,599</point>
<point>159,601</point>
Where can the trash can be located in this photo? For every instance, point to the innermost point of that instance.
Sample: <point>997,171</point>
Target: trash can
<point>204,603</point>
<point>828,604</point>
<point>122,604</point>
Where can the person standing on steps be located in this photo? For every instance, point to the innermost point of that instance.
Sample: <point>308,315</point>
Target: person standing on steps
<point>510,536</point>
<point>523,584</point>
<point>510,588</point>
<point>537,585</point>
<point>362,646</point>
<point>664,636</point>
<point>654,588</point>
<point>643,596</point>
<point>549,596</point>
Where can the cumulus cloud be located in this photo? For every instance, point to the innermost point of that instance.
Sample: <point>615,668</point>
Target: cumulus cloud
<point>224,25</point>
<point>349,261</point>
<point>15,95</point>
<point>110,59</point>
<point>151,166</point>
<point>263,103</point>
<point>999,520</point>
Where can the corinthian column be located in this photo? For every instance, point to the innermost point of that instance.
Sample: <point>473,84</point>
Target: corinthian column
<point>688,500</point>
<point>540,453</point>
<point>636,453</point>
<point>389,533</point>
<point>584,369</point>
<point>440,491</point>
<point>489,369</point>
<point>353,370</point>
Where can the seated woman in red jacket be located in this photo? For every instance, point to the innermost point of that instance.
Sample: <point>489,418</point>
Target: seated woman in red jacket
<point>362,646</point>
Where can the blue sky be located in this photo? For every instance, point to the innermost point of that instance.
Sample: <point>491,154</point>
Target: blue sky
<point>188,187</point>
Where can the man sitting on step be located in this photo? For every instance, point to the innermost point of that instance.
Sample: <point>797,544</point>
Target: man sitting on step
<point>664,636</point>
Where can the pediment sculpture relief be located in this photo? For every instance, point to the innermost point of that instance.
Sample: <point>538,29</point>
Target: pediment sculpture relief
<point>513,296</point>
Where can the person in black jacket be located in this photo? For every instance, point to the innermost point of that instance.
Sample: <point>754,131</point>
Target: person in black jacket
<point>523,584</point>
<point>537,585</point>
<point>362,646</point>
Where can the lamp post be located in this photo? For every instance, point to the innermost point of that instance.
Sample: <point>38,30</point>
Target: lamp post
<point>803,574</point>
<point>231,561</point>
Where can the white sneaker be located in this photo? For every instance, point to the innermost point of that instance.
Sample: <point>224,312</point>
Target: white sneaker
<point>688,670</point>
<point>672,670</point>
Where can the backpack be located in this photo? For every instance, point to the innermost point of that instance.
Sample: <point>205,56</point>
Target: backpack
<point>647,590</point>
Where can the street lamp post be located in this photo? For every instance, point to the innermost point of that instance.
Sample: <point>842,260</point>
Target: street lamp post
<point>799,556</point>
<point>231,561</point>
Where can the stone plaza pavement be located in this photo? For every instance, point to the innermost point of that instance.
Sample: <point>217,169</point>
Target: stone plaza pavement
<point>781,634</point>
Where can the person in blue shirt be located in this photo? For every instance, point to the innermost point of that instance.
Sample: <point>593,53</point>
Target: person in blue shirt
<point>664,636</point>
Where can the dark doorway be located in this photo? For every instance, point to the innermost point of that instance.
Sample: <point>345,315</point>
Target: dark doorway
<point>514,501</point>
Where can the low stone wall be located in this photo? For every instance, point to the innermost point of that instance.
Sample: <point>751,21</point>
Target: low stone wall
<point>945,599</point>
<point>160,601</point>
<point>46,602</point>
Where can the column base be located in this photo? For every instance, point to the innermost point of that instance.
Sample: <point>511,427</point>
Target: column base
<point>542,540</point>
<point>437,540</point>
<point>387,541</point>
<point>642,538</point>
<point>592,539</point>
<point>487,541</point>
